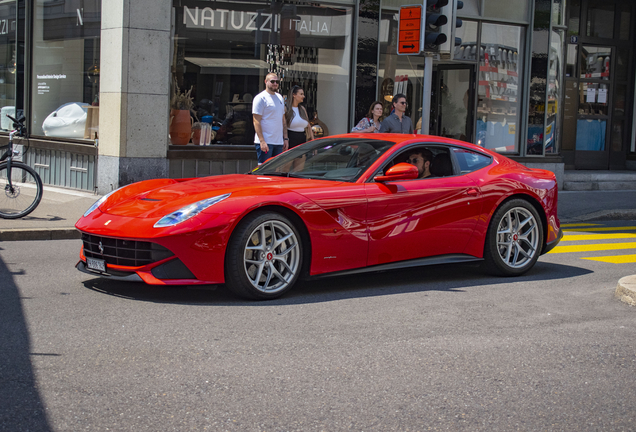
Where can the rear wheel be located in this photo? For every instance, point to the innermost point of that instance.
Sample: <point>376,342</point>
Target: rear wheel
<point>264,256</point>
<point>23,195</point>
<point>514,239</point>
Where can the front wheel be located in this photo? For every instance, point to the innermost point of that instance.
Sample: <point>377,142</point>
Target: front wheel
<point>23,195</point>
<point>264,257</point>
<point>514,239</point>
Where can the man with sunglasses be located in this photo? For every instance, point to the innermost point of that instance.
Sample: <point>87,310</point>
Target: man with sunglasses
<point>268,111</point>
<point>422,159</point>
<point>397,122</point>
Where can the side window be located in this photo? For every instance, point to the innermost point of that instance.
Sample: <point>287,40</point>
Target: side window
<point>432,161</point>
<point>470,161</point>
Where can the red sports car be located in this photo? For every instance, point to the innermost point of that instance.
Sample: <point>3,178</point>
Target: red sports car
<point>338,205</point>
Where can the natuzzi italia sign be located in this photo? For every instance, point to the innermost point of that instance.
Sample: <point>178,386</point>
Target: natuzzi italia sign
<point>306,21</point>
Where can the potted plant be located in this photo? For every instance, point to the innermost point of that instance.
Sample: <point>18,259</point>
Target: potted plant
<point>181,104</point>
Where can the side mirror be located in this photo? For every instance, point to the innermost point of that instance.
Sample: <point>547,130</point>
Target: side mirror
<point>401,171</point>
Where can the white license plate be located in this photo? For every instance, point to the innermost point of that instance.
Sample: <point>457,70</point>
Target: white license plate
<point>96,264</point>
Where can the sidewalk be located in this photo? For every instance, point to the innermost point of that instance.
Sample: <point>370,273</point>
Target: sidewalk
<point>579,206</point>
<point>53,219</point>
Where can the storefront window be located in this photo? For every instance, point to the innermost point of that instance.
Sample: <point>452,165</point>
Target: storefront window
<point>537,98</point>
<point>625,16</point>
<point>498,106</point>
<point>558,12</point>
<point>467,51</point>
<point>554,92</point>
<point>595,62</point>
<point>570,65</point>
<point>223,50</point>
<point>600,19</point>
<point>7,62</point>
<point>593,99</point>
<point>506,9</point>
<point>574,11</point>
<point>65,75</point>
<point>398,73</point>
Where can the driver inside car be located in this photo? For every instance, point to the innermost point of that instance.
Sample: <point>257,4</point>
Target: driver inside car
<point>421,158</point>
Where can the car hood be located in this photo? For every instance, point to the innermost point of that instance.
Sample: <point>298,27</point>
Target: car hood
<point>158,201</point>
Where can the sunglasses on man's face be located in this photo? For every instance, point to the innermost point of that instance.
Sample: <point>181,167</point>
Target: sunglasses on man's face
<point>402,103</point>
<point>274,81</point>
<point>414,160</point>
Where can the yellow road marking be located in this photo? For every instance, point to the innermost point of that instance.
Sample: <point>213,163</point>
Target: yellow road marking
<point>593,247</point>
<point>575,237</point>
<point>601,229</point>
<point>618,259</point>
<point>578,224</point>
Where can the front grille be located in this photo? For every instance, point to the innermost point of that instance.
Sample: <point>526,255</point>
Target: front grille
<point>123,252</point>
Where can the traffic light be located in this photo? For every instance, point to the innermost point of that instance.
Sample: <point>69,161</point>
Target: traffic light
<point>435,19</point>
<point>455,24</point>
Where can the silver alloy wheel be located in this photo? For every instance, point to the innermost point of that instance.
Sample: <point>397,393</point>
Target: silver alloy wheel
<point>272,256</point>
<point>517,237</point>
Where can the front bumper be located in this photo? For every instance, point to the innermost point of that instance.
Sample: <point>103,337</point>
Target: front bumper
<point>132,277</point>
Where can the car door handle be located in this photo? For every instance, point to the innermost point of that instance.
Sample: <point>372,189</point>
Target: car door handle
<point>472,192</point>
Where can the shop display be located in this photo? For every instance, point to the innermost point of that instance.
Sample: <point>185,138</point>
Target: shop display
<point>5,122</point>
<point>497,94</point>
<point>318,127</point>
<point>180,127</point>
<point>64,68</point>
<point>201,133</point>
<point>67,121</point>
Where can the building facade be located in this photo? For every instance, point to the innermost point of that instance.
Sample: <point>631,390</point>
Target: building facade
<point>550,83</point>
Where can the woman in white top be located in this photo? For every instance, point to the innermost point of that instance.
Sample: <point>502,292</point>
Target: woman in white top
<point>296,118</point>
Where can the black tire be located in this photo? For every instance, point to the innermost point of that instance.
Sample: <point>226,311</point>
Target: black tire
<point>25,192</point>
<point>261,270</point>
<point>514,239</point>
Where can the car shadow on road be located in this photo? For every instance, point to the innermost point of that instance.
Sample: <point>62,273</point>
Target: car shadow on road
<point>21,407</point>
<point>447,278</point>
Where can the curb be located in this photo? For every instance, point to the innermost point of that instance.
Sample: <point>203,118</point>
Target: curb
<point>603,215</point>
<point>39,234</point>
<point>626,290</point>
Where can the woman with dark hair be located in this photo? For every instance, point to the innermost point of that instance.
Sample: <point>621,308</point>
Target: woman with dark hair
<point>370,123</point>
<point>296,118</point>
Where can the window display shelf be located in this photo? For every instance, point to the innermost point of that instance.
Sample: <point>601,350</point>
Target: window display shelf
<point>502,71</point>
<point>500,84</point>
<point>495,112</point>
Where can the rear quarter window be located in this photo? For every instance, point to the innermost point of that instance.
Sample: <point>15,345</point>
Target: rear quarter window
<point>470,161</point>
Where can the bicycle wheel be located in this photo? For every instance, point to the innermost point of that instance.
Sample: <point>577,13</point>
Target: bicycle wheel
<point>24,194</point>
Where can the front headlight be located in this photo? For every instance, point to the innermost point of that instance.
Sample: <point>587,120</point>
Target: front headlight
<point>99,202</point>
<point>185,213</point>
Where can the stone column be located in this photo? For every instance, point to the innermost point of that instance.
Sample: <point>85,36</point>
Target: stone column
<point>134,92</point>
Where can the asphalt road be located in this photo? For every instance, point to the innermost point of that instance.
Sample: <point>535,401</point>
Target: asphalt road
<point>437,348</point>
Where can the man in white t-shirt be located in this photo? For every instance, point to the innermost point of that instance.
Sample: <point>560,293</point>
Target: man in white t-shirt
<point>268,110</point>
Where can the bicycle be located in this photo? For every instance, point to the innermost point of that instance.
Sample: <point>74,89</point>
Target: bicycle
<point>20,185</point>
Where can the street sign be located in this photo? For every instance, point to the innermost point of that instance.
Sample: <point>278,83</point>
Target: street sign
<point>410,30</point>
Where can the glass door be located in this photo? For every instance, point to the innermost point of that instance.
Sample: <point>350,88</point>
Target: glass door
<point>593,115</point>
<point>453,109</point>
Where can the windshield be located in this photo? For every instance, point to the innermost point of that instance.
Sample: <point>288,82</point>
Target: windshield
<point>340,159</point>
